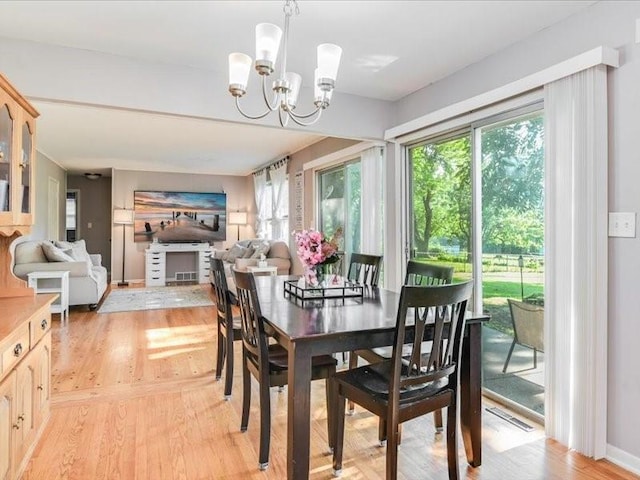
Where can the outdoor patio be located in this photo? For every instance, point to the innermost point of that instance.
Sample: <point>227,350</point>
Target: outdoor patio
<point>522,383</point>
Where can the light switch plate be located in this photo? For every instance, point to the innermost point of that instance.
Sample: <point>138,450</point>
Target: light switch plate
<point>622,224</point>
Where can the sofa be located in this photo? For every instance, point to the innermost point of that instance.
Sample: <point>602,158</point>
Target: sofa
<point>247,252</point>
<point>87,277</point>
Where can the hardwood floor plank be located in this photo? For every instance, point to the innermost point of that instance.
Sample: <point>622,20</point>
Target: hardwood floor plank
<point>134,397</point>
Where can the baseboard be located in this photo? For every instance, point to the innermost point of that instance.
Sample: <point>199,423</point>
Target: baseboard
<point>623,459</point>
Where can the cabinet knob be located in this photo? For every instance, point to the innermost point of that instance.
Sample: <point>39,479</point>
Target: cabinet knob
<point>44,324</point>
<point>17,350</point>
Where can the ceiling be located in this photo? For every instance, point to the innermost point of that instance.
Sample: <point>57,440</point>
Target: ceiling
<point>390,49</point>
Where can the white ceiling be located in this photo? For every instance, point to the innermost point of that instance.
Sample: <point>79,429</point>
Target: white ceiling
<point>390,49</point>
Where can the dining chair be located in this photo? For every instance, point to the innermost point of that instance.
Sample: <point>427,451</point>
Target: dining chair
<point>418,273</point>
<point>228,327</point>
<point>364,269</point>
<point>268,363</point>
<point>408,386</point>
<point>528,329</point>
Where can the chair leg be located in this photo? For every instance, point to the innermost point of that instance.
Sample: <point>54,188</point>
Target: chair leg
<point>338,430</point>
<point>246,395</point>
<point>220,355</point>
<point>228,379</point>
<point>452,440</point>
<point>392,451</point>
<point>504,369</point>
<point>437,418</point>
<point>353,363</point>
<point>330,409</point>
<point>265,424</point>
<point>382,432</point>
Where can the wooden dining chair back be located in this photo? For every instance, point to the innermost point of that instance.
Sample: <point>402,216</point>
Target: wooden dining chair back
<point>268,363</point>
<point>228,326</point>
<point>528,329</point>
<point>412,382</point>
<point>418,273</point>
<point>364,269</point>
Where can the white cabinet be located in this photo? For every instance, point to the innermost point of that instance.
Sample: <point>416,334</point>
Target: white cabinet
<point>158,258</point>
<point>154,268</point>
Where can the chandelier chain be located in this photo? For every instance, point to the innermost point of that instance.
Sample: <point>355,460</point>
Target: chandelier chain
<point>290,7</point>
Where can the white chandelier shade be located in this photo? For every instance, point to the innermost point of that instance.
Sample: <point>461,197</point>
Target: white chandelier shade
<point>286,87</point>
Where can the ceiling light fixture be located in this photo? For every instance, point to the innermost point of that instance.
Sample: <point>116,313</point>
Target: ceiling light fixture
<point>93,176</point>
<point>287,87</point>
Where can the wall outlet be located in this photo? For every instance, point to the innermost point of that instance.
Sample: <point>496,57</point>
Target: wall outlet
<point>622,224</point>
<point>89,225</point>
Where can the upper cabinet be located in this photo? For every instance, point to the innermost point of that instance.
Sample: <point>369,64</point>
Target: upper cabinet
<point>17,151</point>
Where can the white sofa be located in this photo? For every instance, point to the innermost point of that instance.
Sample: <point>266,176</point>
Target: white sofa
<point>247,252</point>
<point>87,277</point>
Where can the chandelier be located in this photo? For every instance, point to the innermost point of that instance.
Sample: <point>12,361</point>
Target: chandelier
<point>287,86</point>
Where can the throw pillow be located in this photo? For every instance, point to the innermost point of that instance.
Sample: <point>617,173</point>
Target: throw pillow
<point>236,252</point>
<point>55,254</point>
<point>260,249</point>
<point>249,252</point>
<point>78,250</point>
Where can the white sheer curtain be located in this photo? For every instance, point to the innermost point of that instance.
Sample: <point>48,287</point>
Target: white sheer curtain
<point>278,174</point>
<point>576,261</point>
<point>372,211</point>
<point>260,187</point>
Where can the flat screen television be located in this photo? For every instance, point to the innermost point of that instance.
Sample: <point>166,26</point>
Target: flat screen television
<point>179,217</point>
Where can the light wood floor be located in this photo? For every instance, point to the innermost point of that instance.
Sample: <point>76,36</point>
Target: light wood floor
<point>134,397</point>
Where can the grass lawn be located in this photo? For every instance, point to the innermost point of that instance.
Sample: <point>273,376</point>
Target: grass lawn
<point>497,287</point>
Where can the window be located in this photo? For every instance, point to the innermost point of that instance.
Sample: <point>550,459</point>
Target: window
<point>270,214</point>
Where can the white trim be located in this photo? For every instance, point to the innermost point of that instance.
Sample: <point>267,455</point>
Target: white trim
<point>340,155</point>
<point>623,459</point>
<point>597,56</point>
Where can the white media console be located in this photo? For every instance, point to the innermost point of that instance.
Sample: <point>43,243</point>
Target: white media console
<point>176,262</point>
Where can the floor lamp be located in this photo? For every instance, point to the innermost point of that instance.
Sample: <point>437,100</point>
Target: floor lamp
<point>238,218</point>
<point>123,217</point>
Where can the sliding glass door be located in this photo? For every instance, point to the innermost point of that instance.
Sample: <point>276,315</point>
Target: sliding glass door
<point>500,246</point>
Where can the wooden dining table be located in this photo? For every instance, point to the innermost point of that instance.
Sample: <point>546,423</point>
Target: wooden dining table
<point>319,327</point>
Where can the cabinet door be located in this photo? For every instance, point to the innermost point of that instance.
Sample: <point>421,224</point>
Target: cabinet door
<point>25,386</point>
<point>42,357</point>
<point>7,425</point>
<point>7,116</point>
<point>26,193</point>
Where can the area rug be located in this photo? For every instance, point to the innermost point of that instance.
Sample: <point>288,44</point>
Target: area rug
<point>154,298</point>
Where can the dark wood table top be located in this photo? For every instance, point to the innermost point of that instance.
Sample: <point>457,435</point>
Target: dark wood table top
<point>298,321</point>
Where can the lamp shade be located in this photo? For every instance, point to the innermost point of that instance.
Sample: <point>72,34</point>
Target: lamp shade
<point>268,38</point>
<point>294,83</point>
<point>239,66</point>
<point>328,60</point>
<point>122,216</point>
<point>237,218</point>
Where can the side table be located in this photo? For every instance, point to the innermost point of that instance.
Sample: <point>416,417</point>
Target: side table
<point>271,270</point>
<point>53,282</point>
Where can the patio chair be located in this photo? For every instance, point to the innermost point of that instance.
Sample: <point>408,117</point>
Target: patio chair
<point>528,329</point>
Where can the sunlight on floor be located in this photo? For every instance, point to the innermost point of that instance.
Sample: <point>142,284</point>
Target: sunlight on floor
<point>178,336</point>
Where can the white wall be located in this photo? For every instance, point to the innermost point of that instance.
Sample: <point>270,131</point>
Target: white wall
<point>125,182</point>
<point>612,24</point>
